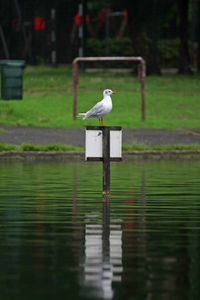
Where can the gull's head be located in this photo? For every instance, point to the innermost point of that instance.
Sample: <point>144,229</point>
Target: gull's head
<point>108,92</point>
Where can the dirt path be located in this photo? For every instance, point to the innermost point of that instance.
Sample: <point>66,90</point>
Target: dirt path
<point>44,136</point>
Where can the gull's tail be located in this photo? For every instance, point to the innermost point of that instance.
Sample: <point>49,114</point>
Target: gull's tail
<point>82,115</point>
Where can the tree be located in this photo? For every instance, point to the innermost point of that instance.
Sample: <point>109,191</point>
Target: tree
<point>184,62</point>
<point>198,31</point>
<point>143,27</point>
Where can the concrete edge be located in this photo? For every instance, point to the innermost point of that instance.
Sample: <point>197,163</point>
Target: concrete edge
<point>79,156</point>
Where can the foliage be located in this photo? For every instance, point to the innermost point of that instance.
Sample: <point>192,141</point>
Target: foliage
<point>168,49</point>
<point>118,47</point>
<point>65,148</point>
<point>169,52</point>
<point>32,147</point>
<point>144,147</point>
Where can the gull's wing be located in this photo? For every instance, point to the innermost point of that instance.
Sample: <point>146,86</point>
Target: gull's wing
<point>96,110</point>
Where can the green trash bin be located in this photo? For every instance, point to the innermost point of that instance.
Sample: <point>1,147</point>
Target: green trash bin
<point>11,79</point>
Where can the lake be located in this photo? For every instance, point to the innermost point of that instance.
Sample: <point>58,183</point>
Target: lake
<point>60,239</point>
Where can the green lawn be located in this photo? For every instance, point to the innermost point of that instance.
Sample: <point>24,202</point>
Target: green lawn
<point>64,148</point>
<point>172,101</point>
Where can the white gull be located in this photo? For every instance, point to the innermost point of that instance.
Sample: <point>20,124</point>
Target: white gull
<point>101,109</point>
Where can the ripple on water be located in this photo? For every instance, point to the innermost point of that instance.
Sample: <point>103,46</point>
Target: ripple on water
<point>59,237</point>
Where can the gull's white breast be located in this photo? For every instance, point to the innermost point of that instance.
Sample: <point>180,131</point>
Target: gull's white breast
<point>107,106</point>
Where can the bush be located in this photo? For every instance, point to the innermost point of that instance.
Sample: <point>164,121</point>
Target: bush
<point>118,47</point>
<point>169,52</point>
<point>96,47</point>
<point>168,49</point>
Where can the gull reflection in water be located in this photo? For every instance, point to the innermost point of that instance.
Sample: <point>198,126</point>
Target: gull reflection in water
<point>102,260</point>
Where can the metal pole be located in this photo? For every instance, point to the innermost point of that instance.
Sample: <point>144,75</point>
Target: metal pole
<point>83,41</point>
<point>107,28</point>
<point>75,81</point>
<point>53,37</point>
<point>80,31</point>
<point>4,43</point>
<point>20,17</point>
<point>106,160</point>
<point>82,28</point>
<point>142,81</point>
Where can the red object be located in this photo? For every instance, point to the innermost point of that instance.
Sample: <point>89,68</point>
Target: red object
<point>39,24</point>
<point>195,60</point>
<point>125,14</point>
<point>102,15</point>
<point>15,23</point>
<point>87,19</point>
<point>77,19</point>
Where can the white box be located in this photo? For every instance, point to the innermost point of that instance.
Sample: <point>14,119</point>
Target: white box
<point>94,143</point>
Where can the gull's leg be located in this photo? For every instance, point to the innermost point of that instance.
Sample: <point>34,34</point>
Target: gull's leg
<point>102,121</point>
<point>99,121</point>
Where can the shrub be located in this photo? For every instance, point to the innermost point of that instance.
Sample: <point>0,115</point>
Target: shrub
<point>118,47</point>
<point>169,52</point>
<point>168,49</point>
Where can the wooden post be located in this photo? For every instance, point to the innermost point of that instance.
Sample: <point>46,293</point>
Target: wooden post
<point>106,160</point>
<point>104,143</point>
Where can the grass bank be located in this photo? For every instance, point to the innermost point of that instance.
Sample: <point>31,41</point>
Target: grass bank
<point>64,148</point>
<point>172,101</point>
<point>32,147</point>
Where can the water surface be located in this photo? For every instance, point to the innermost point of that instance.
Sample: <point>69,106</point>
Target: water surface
<point>59,239</point>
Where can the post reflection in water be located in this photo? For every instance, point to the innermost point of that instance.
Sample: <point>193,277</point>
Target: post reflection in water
<point>59,240</point>
<point>102,261</point>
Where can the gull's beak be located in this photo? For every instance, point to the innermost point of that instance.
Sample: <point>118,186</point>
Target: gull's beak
<point>113,92</point>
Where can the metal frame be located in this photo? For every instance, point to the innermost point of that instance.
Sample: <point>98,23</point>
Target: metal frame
<point>141,76</point>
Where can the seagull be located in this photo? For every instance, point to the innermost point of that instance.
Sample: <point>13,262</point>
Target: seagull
<point>101,109</point>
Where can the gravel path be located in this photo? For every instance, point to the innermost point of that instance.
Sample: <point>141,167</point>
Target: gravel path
<point>44,136</point>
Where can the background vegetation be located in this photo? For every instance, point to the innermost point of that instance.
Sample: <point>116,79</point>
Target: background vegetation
<point>163,32</point>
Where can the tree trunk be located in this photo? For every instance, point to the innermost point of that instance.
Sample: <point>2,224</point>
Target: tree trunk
<point>137,20</point>
<point>198,32</point>
<point>153,65</point>
<point>184,63</point>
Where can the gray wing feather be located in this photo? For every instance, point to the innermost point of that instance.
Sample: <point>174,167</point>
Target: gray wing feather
<point>96,110</point>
